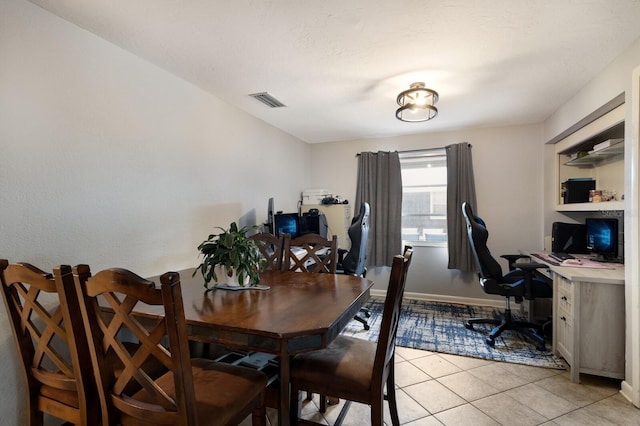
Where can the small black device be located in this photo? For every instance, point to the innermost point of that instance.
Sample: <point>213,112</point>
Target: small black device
<point>577,190</point>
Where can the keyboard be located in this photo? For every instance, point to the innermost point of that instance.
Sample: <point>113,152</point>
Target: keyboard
<point>561,256</point>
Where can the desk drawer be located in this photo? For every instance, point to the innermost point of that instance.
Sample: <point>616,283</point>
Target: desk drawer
<point>564,328</point>
<point>565,294</point>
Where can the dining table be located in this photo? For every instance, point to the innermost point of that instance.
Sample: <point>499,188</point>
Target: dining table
<point>298,312</point>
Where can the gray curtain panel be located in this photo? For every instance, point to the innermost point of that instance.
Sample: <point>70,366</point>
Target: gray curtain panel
<point>380,184</point>
<point>460,188</point>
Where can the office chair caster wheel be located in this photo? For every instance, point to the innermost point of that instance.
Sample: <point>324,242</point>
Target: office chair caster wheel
<point>468,326</point>
<point>366,326</point>
<point>490,342</point>
<point>541,348</point>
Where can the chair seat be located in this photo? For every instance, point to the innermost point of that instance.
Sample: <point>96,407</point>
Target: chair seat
<point>347,363</point>
<point>217,388</point>
<point>539,288</point>
<point>66,397</point>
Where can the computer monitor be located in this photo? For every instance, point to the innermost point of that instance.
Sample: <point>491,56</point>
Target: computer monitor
<point>313,222</point>
<point>286,223</point>
<point>602,237</point>
<point>270,216</point>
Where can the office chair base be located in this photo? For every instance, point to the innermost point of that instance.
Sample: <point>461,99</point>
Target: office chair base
<point>364,322</point>
<point>528,329</point>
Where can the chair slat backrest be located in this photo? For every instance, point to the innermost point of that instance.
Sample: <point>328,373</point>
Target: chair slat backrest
<point>52,346</point>
<point>391,315</point>
<point>271,248</point>
<point>355,261</point>
<point>108,300</point>
<point>488,267</point>
<point>311,253</point>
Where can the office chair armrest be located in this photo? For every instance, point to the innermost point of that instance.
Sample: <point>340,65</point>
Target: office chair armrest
<point>511,259</point>
<point>531,266</point>
<point>527,275</point>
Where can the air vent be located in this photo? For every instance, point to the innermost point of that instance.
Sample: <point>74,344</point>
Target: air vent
<point>267,99</point>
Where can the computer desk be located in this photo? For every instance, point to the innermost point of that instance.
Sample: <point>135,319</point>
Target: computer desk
<point>588,317</point>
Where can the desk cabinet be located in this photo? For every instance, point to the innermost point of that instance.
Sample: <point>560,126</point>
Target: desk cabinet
<point>589,326</point>
<point>339,219</point>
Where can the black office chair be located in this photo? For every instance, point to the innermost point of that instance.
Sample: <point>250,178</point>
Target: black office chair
<point>354,261</point>
<point>518,283</point>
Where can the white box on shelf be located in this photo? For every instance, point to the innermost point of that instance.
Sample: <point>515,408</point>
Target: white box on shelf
<point>607,144</point>
<point>315,196</point>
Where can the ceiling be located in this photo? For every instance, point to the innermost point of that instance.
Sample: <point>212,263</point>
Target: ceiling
<point>338,65</point>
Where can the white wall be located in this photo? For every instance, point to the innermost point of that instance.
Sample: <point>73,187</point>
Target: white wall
<point>508,171</point>
<point>111,161</point>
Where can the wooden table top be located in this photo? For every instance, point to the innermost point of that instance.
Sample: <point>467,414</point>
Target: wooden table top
<point>295,304</point>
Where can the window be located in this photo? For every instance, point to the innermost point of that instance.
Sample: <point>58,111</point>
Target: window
<point>424,197</point>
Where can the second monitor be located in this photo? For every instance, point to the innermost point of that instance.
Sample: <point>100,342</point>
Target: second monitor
<point>296,225</point>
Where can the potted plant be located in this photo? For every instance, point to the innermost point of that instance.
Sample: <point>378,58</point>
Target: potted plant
<point>236,254</point>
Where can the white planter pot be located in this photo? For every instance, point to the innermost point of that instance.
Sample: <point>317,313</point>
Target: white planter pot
<point>223,278</point>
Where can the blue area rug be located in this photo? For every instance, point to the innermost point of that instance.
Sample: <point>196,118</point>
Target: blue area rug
<point>439,327</point>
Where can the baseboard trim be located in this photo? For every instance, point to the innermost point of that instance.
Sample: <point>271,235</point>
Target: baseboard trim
<point>446,299</point>
<point>629,393</point>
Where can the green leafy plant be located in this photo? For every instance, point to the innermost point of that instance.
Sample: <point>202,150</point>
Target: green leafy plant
<point>233,250</point>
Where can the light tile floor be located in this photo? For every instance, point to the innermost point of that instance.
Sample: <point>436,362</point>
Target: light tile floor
<point>441,389</point>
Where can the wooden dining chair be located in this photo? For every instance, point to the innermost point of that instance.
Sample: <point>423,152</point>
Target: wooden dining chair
<point>192,392</point>
<point>52,346</point>
<point>311,253</point>
<point>271,248</point>
<point>356,369</point>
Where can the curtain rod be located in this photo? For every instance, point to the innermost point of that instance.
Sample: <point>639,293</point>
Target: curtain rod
<point>409,151</point>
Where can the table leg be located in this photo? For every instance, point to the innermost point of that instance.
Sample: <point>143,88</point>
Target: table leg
<point>283,414</point>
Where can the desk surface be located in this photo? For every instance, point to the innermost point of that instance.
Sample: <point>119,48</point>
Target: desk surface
<point>613,274</point>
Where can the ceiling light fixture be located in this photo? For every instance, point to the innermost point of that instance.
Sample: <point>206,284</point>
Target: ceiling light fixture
<point>416,104</point>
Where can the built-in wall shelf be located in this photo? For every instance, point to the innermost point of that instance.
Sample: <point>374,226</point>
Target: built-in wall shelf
<point>589,207</point>
<point>592,159</point>
<point>584,155</point>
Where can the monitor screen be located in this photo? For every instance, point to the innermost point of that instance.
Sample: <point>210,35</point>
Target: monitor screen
<point>602,236</point>
<point>286,223</point>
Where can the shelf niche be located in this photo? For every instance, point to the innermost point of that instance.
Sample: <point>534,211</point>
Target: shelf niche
<point>605,166</point>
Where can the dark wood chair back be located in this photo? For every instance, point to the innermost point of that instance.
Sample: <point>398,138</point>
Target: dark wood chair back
<point>271,248</point>
<point>311,253</point>
<point>356,369</point>
<point>192,391</point>
<point>385,350</point>
<point>52,347</point>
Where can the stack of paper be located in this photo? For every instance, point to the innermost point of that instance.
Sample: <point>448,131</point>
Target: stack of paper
<point>606,144</point>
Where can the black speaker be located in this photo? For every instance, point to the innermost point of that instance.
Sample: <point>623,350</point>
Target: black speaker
<point>569,238</point>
